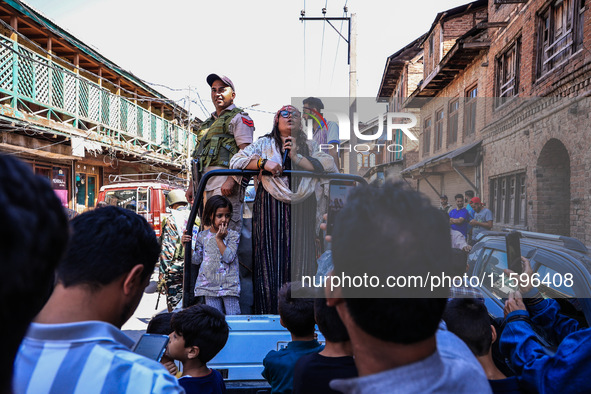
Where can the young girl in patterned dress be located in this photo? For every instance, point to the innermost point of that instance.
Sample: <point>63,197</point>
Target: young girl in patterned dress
<point>215,251</point>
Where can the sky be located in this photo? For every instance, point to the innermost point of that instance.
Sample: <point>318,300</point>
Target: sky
<point>270,55</point>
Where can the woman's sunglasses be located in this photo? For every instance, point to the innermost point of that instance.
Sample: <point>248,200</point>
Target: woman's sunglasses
<point>285,113</point>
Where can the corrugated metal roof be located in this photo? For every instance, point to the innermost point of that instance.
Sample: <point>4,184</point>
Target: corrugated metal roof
<point>444,156</point>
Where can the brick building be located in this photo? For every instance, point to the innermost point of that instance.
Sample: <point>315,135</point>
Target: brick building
<point>76,117</point>
<point>519,139</point>
<point>454,75</point>
<point>536,141</point>
<point>402,75</point>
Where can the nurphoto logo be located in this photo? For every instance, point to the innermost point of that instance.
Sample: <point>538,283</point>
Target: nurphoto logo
<point>378,129</point>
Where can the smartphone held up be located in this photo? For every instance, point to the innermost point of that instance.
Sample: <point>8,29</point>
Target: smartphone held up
<point>514,251</point>
<point>338,192</point>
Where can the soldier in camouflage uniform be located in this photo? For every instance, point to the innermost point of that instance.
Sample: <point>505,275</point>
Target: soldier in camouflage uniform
<point>173,252</point>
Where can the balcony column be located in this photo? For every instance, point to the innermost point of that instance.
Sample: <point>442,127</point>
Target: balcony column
<point>100,107</point>
<point>49,57</point>
<point>14,38</point>
<point>14,25</point>
<point>77,73</point>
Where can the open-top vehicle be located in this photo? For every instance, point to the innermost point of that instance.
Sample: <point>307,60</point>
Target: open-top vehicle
<point>251,336</point>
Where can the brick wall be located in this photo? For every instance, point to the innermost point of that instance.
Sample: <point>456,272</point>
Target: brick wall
<point>458,26</point>
<point>551,145</point>
<point>412,74</point>
<point>524,22</point>
<point>415,74</point>
<point>546,138</point>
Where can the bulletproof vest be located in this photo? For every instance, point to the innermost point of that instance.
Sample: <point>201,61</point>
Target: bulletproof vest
<point>216,145</point>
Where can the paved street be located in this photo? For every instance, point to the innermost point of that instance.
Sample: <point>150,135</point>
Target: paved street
<point>137,324</point>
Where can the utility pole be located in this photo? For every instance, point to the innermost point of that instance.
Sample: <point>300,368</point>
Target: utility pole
<point>351,41</point>
<point>352,92</point>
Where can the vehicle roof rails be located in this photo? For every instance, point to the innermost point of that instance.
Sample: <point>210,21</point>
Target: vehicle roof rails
<point>161,177</point>
<point>567,242</point>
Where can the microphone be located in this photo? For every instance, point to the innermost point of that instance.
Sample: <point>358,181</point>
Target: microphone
<point>285,156</point>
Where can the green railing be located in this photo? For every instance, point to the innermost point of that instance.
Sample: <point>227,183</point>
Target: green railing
<point>28,78</point>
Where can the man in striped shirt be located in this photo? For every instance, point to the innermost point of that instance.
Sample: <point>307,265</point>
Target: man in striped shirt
<point>75,344</point>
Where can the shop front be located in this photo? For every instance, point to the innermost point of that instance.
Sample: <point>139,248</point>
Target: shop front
<point>86,186</point>
<point>58,175</point>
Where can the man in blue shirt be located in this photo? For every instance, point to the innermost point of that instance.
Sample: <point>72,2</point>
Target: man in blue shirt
<point>459,217</point>
<point>75,343</point>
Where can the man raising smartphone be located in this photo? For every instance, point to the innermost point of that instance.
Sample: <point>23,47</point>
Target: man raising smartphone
<point>539,371</point>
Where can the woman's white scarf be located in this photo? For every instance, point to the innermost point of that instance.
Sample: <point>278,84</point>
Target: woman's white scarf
<point>278,187</point>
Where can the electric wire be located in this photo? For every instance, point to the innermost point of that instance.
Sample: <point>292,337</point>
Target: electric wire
<point>201,105</point>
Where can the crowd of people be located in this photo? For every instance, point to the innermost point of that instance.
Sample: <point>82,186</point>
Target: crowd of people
<point>75,283</point>
<point>468,219</point>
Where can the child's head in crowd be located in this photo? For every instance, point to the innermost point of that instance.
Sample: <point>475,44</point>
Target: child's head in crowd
<point>198,334</point>
<point>297,314</point>
<point>468,319</point>
<point>329,321</point>
<point>160,324</point>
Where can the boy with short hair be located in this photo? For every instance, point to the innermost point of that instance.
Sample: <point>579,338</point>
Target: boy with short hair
<point>313,372</point>
<point>198,334</point>
<point>468,319</point>
<point>297,315</point>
